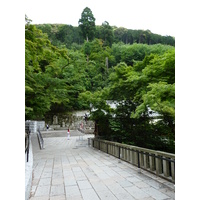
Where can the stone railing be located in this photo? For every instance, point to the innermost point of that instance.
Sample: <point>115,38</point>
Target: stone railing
<point>160,163</point>
<point>33,126</point>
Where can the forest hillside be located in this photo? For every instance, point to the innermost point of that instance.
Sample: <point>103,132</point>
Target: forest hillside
<point>73,68</point>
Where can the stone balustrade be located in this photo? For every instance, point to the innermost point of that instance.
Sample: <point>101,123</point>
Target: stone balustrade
<point>33,126</point>
<point>160,163</point>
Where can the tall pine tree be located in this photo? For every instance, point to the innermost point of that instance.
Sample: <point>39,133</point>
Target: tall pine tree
<point>87,24</point>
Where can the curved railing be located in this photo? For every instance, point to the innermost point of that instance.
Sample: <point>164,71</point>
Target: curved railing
<point>40,139</point>
<point>27,144</point>
<point>160,163</point>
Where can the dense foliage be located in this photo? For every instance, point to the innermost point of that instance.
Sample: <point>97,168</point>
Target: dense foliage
<point>136,72</point>
<point>144,95</point>
<point>71,37</point>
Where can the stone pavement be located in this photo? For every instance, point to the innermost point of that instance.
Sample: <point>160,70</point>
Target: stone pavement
<point>71,170</point>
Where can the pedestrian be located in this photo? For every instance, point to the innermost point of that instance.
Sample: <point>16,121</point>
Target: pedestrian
<point>47,127</point>
<point>68,134</point>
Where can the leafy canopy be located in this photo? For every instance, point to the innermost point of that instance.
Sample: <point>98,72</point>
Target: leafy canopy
<point>139,78</point>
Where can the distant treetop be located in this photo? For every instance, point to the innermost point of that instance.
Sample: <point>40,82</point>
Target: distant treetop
<point>87,24</point>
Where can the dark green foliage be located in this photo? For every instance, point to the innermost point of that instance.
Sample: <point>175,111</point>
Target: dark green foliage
<point>106,34</point>
<point>131,54</point>
<point>136,89</point>
<point>60,34</point>
<point>87,24</point>
<point>128,36</point>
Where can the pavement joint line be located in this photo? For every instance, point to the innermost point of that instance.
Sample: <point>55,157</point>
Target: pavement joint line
<point>92,170</point>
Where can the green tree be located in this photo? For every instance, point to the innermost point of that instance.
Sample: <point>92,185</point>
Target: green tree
<point>130,54</point>
<point>44,83</point>
<point>120,34</point>
<point>99,54</point>
<point>159,93</point>
<point>141,90</point>
<point>106,33</point>
<point>87,49</point>
<point>87,24</point>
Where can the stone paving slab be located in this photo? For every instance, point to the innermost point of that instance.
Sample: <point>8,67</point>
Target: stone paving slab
<point>68,169</point>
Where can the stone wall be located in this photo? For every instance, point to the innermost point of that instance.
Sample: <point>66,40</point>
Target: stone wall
<point>41,125</point>
<point>73,120</point>
<point>34,125</point>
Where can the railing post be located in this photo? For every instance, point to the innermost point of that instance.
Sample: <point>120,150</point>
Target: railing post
<point>141,158</point>
<point>152,162</point>
<point>138,155</point>
<point>122,157</point>
<point>135,159</point>
<point>166,168</point>
<point>173,170</point>
<point>116,150</point>
<point>119,153</point>
<point>125,154</point>
<point>158,164</point>
<point>146,160</point>
<point>131,156</point>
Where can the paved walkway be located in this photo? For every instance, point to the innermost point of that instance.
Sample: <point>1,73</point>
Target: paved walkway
<point>70,170</point>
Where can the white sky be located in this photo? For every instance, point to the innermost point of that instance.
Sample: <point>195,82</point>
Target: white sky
<point>156,15</point>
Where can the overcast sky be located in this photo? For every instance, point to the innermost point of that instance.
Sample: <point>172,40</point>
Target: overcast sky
<point>156,15</point>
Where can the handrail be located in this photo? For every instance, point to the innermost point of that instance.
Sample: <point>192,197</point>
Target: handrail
<point>160,163</point>
<point>27,143</point>
<point>81,130</point>
<point>40,139</point>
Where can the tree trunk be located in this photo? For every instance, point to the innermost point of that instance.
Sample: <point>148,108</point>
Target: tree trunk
<point>107,62</point>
